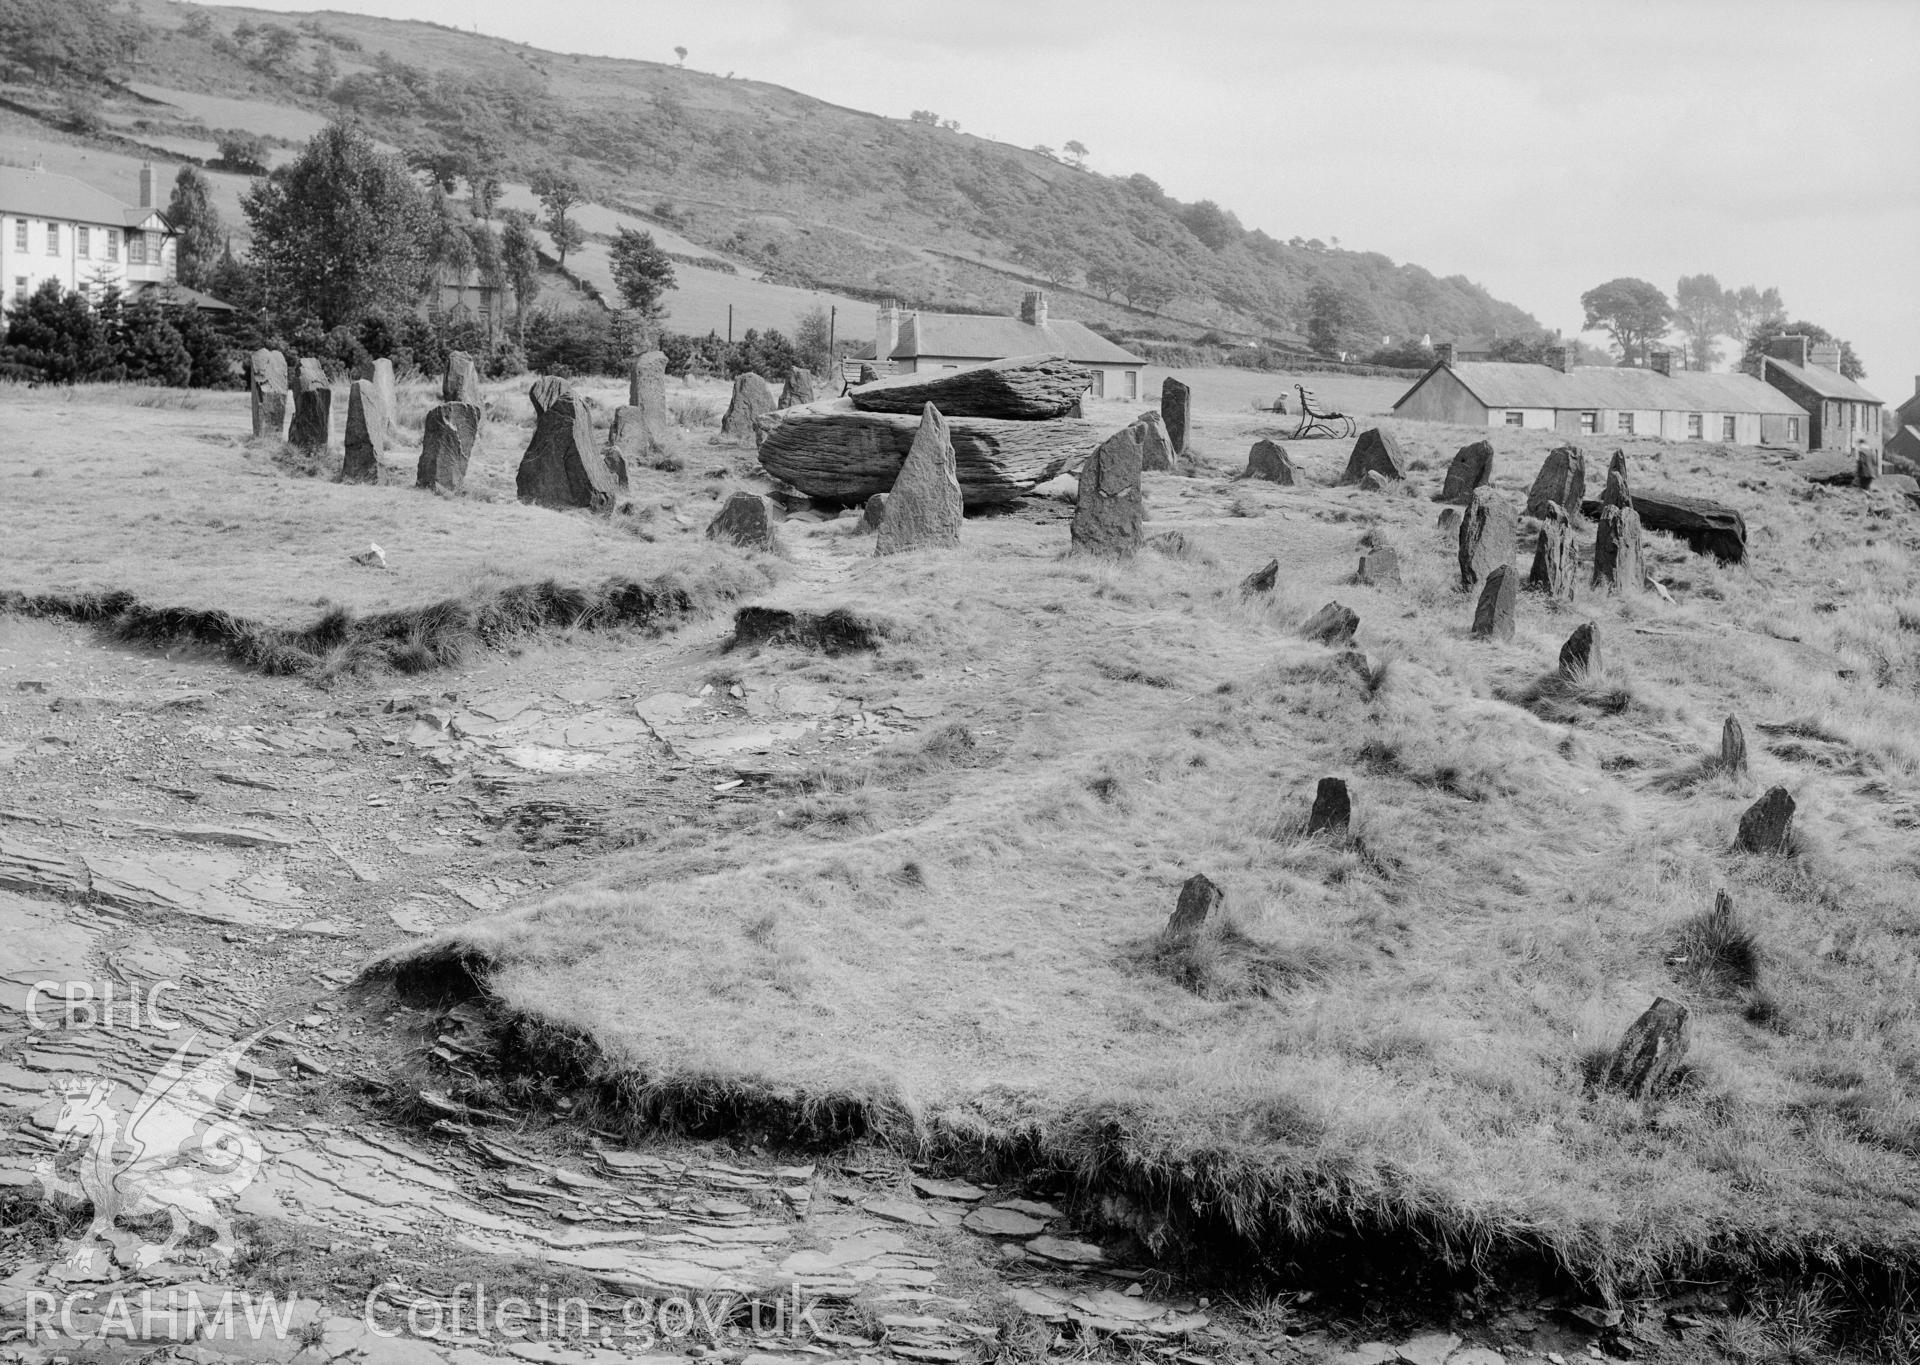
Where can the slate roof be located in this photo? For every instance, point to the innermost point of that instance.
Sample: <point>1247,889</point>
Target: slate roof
<point>180,294</point>
<point>970,337</point>
<point>1823,381</point>
<point>1501,384</point>
<point>45,194</point>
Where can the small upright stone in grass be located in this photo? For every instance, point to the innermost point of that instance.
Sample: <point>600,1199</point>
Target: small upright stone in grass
<point>380,373</point>
<point>642,427</point>
<point>1768,824</point>
<point>1580,655</point>
<point>1375,482</point>
<point>312,409</point>
<point>1199,898</point>
<point>1554,557</point>
<point>924,511</point>
<point>1619,489</point>
<point>1493,617</point>
<point>267,390</point>
<point>799,387</point>
<point>1156,447</point>
<point>310,374</point>
<point>1650,1049</point>
<point>1562,482</point>
<point>1617,563</point>
<point>1333,624</point>
<point>1472,468</point>
<point>366,433</point>
<point>747,520</point>
<point>1448,522</point>
<point>1487,531</point>
<point>462,381</point>
<point>1332,808</point>
<point>1269,460</point>
<point>446,446</point>
<point>1261,579</point>
<point>1109,509</point>
<point>752,399</point>
<point>1733,748</point>
<point>1867,465</point>
<point>1379,567</point>
<point>873,511</point>
<point>1176,399</point>
<point>1376,452</point>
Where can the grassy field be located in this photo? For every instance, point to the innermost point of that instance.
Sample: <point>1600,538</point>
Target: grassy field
<point>958,944</point>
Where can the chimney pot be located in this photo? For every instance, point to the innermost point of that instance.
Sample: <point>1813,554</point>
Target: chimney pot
<point>1443,353</point>
<point>1033,308</point>
<point>1825,354</point>
<point>146,185</point>
<point>1660,362</point>
<point>1560,358</point>
<point>1792,349</point>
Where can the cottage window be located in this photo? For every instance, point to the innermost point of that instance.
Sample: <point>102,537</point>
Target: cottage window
<point>1516,419</point>
<point>1099,389</point>
<point>113,244</point>
<point>1623,424</point>
<point>19,287</point>
<point>53,239</point>
<point>136,248</point>
<point>19,234</point>
<point>1793,428</point>
<point>1695,426</point>
<point>1590,422</point>
<point>82,241</point>
<point>1728,431</point>
<point>1133,385</point>
<point>156,246</point>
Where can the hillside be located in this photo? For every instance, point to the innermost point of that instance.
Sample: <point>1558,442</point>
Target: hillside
<point>785,189</point>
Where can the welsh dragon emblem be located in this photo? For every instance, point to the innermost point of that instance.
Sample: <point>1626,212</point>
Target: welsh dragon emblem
<point>176,1153</point>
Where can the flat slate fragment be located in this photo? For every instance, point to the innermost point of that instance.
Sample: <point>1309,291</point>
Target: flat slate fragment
<point>1024,388</point>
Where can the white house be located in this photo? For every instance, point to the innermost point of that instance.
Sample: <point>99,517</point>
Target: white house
<point>53,227</point>
<point>917,342</point>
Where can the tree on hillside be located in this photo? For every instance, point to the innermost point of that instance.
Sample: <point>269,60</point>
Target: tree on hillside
<point>54,38</point>
<point>1701,316</point>
<point>1632,312</point>
<point>559,193</point>
<point>813,340</point>
<point>1335,318</point>
<point>1850,365</point>
<point>339,231</point>
<point>681,53</point>
<point>641,271</point>
<point>200,233</point>
<point>520,259</point>
<point>1214,226</point>
<point>243,152</point>
<point>1076,155</point>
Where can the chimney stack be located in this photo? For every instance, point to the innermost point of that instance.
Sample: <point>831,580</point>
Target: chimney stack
<point>886,331</point>
<point>1660,362</point>
<point>1560,358</point>
<point>146,185</point>
<point>1033,308</point>
<point>1792,349</point>
<point>1825,354</point>
<point>1443,352</point>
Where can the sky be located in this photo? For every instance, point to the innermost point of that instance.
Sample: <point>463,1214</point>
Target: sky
<point>1538,147</point>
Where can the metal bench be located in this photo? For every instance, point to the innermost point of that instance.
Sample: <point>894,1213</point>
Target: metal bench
<point>1320,421</point>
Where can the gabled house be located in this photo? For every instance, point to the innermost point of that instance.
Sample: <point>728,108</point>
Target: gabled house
<point>915,342</point>
<point>1902,427</point>
<point>1605,400</point>
<point>53,227</point>
<point>1841,414</point>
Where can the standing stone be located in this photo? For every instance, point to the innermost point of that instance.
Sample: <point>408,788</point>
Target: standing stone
<point>1448,522</point>
<point>1554,557</point>
<point>462,382</point>
<point>367,433</point>
<point>752,399</point>
<point>1768,824</point>
<point>561,468</point>
<point>1379,567</point>
<point>1332,808</point>
<point>1617,564</point>
<point>446,446</point>
<point>1562,482</point>
<point>1333,624</point>
<point>1156,447</point>
<point>1176,401</point>
<point>1867,465</point>
<point>642,430</point>
<point>1733,748</point>
<point>1649,1050</point>
<point>1261,579</point>
<point>1493,616</point>
<point>1269,460</point>
<point>1488,529</point>
<point>1472,468</point>
<point>1580,655</point>
<point>380,372</point>
<point>1619,489</point>
<point>747,520</point>
<point>1378,452</point>
<point>871,514</point>
<point>312,408</point>
<point>1109,509</point>
<point>869,375</point>
<point>798,389</point>
<point>545,391</point>
<point>924,509</point>
<point>267,390</point>
<point>1199,898</point>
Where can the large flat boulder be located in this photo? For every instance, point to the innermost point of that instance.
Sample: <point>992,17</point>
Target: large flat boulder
<point>1025,388</point>
<point>834,453</point>
<point>1708,527</point>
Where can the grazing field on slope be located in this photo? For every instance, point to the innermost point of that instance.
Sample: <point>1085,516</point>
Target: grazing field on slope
<point>960,942</point>
<point>161,493</point>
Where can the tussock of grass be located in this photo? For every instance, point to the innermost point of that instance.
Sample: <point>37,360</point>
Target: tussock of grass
<point>834,631</point>
<point>1223,961</point>
<point>1716,952</point>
